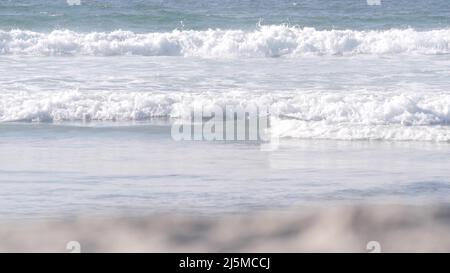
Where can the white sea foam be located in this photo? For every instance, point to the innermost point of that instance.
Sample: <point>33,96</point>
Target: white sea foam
<point>266,41</point>
<point>314,114</point>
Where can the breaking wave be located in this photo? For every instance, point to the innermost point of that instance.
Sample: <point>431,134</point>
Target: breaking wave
<point>314,114</point>
<point>266,41</point>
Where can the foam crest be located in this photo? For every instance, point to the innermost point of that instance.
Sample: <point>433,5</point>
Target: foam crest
<point>315,114</point>
<point>266,41</point>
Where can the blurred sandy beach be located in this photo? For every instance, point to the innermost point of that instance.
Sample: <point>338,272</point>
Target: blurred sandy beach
<point>331,229</point>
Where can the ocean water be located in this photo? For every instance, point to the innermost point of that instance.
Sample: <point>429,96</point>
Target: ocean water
<point>88,94</point>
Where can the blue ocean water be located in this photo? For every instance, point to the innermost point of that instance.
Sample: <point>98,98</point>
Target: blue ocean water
<point>166,15</point>
<point>88,93</point>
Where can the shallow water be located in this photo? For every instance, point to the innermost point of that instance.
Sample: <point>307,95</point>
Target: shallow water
<point>49,170</point>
